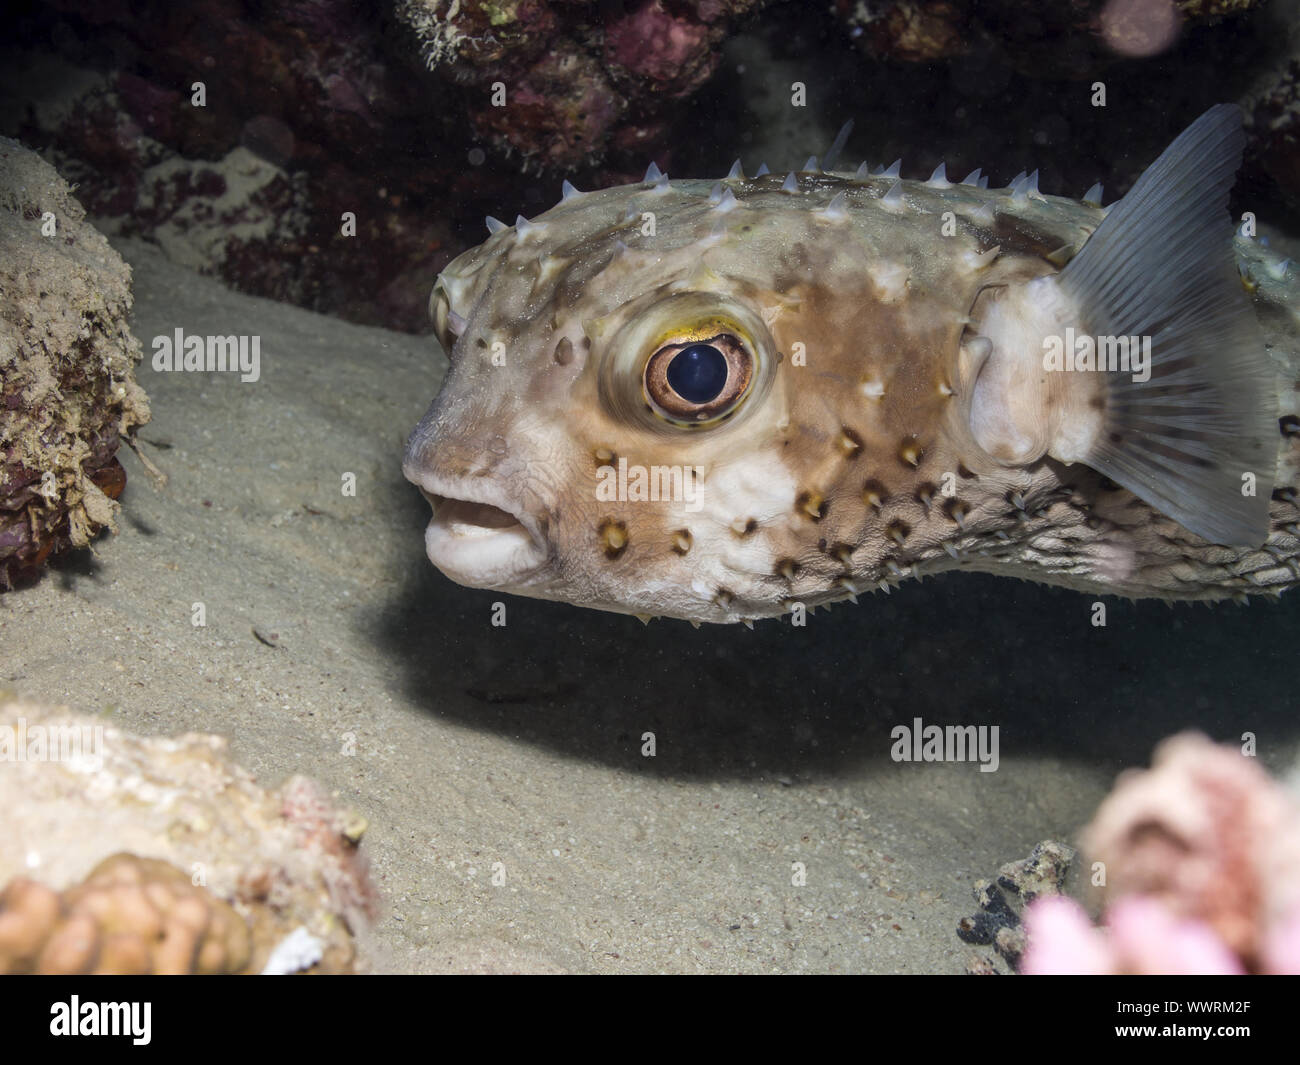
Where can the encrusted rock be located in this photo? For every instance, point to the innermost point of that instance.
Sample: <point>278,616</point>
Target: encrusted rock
<point>997,923</point>
<point>133,854</point>
<point>252,182</point>
<point>68,394</point>
<point>1272,107</point>
<point>559,84</point>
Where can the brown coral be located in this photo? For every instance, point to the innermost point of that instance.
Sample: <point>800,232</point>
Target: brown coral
<point>129,916</point>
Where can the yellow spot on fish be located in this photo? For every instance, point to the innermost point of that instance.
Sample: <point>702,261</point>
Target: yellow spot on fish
<point>613,536</point>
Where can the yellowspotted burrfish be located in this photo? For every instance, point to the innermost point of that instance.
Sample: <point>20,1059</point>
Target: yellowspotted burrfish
<point>728,400</point>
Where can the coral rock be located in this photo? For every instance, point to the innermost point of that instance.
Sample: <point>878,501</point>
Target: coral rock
<point>177,860</point>
<point>68,393</point>
<point>1002,902</point>
<point>670,53</point>
<point>579,79</point>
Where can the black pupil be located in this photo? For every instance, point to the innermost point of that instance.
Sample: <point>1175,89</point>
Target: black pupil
<point>698,373</point>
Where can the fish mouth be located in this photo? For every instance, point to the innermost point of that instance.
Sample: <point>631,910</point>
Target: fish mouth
<point>477,536</point>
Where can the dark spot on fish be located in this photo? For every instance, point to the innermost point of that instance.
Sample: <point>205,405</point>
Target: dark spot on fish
<point>1016,234</point>
<point>898,531</point>
<point>724,597</point>
<point>875,494</point>
<point>787,568</point>
<point>682,540</point>
<point>955,509</point>
<point>564,351</point>
<point>1284,495</point>
<point>963,472</point>
<point>925,493</point>
<point>1097,402</point>
<point>910,451</point>
<point>1290,425</point>
<point>842,553</point>
<point>812,505</point>
<point>747,529</point>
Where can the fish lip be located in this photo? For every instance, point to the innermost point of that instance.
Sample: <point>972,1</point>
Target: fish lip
<point>472,553</point>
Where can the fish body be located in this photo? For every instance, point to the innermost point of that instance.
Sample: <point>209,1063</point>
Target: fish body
<point>722,401</point>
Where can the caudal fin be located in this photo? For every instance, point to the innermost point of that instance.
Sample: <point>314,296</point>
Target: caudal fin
<point>1161,265</point>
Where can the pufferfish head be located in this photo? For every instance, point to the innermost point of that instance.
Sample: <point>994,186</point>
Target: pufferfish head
<point>622,426</point>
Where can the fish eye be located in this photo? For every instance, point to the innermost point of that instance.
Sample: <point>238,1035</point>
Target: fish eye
<point>689,359</point>
<point>698,373</point>
<point>698,380</point>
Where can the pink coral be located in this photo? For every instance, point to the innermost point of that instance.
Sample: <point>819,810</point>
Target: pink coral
<point>1147,938</point>
<point>1201,855</point>
<point>1062,940</point>
<point>1209,833</point>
